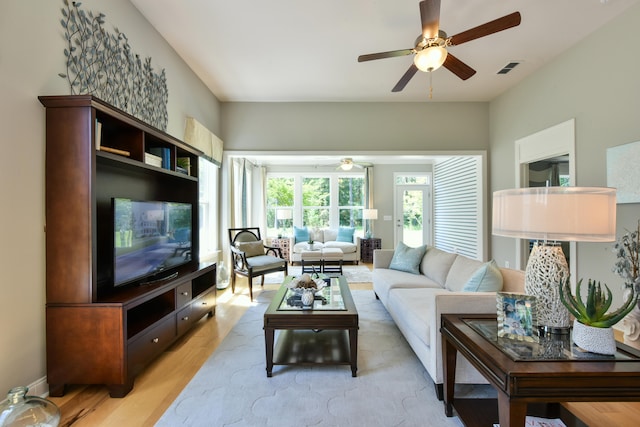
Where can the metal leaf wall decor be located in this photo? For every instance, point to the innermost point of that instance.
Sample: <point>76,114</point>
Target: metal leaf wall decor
<point>102,64</point>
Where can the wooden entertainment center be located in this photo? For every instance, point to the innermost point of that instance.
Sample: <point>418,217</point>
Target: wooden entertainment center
<point>98,333</point>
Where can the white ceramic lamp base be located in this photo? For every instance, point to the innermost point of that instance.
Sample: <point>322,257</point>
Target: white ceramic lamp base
<point>546,268</point>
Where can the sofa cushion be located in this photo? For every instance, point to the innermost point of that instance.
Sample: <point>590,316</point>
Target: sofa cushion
<point>304,246</point>
<point>436,264</point>
<point>384,280</point>
<point>346,247</point>
<point>461,271</point>
<point>487,278</point>
<point>317,234</point>
<point>406,258</point>
<point>330,235</point>
<point>345,234</point>
<point>251,249</point>
<point>300,234</point>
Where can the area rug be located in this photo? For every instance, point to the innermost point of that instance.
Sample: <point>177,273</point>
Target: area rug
<point>392,387</point>
<point>353,274</point>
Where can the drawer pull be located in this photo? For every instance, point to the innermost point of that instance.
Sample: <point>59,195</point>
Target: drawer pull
<point>155,340</point>
<point>185,318</point>
<point>185,294</point>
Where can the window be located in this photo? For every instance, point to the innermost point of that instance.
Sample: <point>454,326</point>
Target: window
<point>318,201</point>
<point>208,187</point>
<point>280,206</point>
<point>350,201</point>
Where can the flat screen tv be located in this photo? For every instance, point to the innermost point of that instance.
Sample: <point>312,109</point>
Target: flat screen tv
<point>150,237</point>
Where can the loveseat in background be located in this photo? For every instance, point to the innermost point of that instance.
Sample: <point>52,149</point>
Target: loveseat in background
<point>416,301</point>
<point>325,238</point>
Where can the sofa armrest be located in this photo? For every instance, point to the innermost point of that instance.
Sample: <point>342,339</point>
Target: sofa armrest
<point>456,303</point>
<point>382,258</point>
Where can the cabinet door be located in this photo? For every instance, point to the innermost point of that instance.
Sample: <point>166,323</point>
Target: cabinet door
<point>151,343</point>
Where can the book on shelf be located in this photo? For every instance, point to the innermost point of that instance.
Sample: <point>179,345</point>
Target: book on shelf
<point>98,135</point>
<point>164,154</point>
<point>184,163</point>
<point>152,159</point>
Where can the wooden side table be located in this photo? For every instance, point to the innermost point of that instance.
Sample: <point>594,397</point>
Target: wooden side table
<point>283,244</point>
<point>367,246</point>
<point>523,373</point>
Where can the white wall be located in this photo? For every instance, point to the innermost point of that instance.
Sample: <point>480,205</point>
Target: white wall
<point>597,83</point>
<point>31,56</point>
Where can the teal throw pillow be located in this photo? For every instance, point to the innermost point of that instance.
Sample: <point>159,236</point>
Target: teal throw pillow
<point>345,234</point>
<point>301,234</point>
<point>407,259</point>
<point>487,278</point>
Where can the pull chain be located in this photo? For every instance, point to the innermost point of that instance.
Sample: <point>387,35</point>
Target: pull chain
<point>430,85</point>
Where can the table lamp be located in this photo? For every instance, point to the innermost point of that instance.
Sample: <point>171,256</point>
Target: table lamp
<point>281,215</point>
<point>549,215</point>
<point>369,215</point>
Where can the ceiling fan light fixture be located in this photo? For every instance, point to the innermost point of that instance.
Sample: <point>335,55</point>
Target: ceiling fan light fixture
<point>346,166</point>
<point>430,58</point>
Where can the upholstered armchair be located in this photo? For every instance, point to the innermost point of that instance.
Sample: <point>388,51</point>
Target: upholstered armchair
<point>252,258</point>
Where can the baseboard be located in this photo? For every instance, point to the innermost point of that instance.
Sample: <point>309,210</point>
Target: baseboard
<point>37,388</point>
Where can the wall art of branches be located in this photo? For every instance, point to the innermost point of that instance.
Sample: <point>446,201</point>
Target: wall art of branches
<point>102,64</point>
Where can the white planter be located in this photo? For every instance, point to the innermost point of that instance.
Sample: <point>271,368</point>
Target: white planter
<point>594,340</point>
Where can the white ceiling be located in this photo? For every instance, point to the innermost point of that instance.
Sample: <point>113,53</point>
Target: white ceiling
<point>304,51</point>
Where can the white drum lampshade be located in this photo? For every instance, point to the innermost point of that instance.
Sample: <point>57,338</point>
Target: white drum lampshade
<point>580,214</point>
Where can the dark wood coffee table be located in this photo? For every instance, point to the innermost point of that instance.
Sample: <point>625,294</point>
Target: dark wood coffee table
<point>326,334</point>
<point>524,373</point>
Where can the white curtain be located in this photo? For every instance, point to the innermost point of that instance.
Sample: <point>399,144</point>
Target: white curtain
<point>368,188</point>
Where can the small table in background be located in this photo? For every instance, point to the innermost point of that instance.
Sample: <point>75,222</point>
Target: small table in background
<point>367,246</point>
<point>283,244</point>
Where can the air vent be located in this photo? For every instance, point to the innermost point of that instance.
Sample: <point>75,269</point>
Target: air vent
<point>510,66</point>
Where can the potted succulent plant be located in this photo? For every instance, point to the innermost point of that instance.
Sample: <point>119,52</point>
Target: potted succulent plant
<point>310,243</point>
<point>592,327</point>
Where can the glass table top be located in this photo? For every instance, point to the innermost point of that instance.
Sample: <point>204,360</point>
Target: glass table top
<point>327,299</point>
<point>549,348</point>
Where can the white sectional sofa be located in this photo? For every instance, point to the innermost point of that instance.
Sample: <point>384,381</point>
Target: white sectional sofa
<point>325,238</point>
<point>416,301</point>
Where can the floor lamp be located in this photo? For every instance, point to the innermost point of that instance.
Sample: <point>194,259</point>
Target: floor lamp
<point>369,215</point>
<point>549,215</point>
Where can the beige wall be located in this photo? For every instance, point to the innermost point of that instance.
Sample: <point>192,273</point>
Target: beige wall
<point>597,83</point>
<point>31,56</point>
<point>355,126</point>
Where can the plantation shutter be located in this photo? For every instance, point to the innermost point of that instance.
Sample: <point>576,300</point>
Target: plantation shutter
<point>458,206</point>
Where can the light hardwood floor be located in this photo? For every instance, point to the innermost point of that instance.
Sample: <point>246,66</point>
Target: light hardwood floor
<point>159,384</point>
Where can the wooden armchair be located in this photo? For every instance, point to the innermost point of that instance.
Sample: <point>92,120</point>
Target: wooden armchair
<point>252,258</point>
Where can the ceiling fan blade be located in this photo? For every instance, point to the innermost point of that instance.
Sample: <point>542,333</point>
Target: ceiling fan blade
<point>381,55</point>
<point>497,25</point>
<point>458,67</point>
<point>430,18</point>
<point>405,78</point>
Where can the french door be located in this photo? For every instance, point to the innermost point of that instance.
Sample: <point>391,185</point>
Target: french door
<point>412,214</point>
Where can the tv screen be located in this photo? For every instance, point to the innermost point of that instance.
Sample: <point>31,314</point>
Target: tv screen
<point>149,238</point>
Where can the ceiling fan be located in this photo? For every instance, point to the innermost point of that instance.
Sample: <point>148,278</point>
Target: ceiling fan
<point>430,46</point>
<point>347,163</point>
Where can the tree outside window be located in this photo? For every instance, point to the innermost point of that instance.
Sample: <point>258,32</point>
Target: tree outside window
<point>351,201</point>
<point>279,197</point>
<point>316,202</point>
